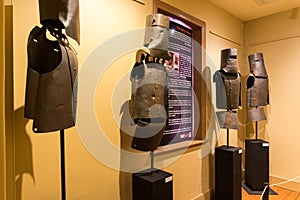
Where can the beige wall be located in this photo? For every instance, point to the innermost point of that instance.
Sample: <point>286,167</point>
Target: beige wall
<point>37,172</point>
<point>8,102</point>
<point>2,104</point>
<point>278,37</point>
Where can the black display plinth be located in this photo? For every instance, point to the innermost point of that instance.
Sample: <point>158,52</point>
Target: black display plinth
<point>228,173</point>
<point>152,184</point>
<point>256,164</point>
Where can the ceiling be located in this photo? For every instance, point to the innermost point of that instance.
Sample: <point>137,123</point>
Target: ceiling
<point>252,9</point>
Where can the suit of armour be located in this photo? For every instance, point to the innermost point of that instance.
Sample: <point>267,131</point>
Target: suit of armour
<point>228,88</point>
<point>149,81</point>
<point>257,87</point>
<point>52,69</point>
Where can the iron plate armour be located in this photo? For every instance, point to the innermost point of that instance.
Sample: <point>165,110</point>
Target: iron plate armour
<point>157,35</point>
<point>257,91</point>
<point>148,89</point>
<point>66,11</point>
<point>229,62</point>
<point>228,88</point>
<point>256,114</point>
<point>257,65</point>
<point>228,119</point>
<point>52,69</point>
<point>148,104</point>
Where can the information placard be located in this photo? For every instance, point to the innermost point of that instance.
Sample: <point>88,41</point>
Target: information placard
<point>180,70</point>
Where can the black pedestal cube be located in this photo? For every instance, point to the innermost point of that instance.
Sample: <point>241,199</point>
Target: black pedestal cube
<point>228,173</point>
<point>152,184</point>
<point>256,164</point>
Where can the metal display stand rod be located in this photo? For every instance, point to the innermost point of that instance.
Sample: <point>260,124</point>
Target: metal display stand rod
<point>152,160</point>
<point>256,130</point>
<point>227,138</point>
<point>62,164</point>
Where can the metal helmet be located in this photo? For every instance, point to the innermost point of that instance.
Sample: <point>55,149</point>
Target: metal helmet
<point>157,35</point>
<point>229,60</point>
<point>257,65</point>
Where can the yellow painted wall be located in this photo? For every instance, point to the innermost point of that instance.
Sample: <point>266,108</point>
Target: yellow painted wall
<point>2,104</point>
<point>278,37</point>
<point>37,155</point>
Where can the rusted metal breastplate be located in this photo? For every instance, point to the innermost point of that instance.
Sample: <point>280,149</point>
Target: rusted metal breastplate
<point>148,90</point>
<point>228,90</point>
<point>257,92</point>
<point>52,69</point>
<point>149,103</point>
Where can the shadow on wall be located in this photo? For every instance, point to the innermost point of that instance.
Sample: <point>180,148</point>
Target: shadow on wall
<point>213,130</point>
<point>131,160</point>
<point>23,151</point>
<point>245,125</point>
<point>248,126</point>
<point>125,182</point>
<point>212,135</point>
